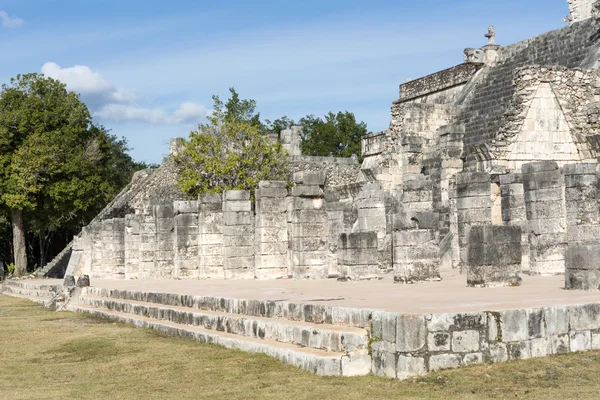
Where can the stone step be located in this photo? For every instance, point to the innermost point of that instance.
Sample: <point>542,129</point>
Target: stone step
<point>35,299</point>
<point>29,292</point>
<point>316,361</point>
<point>318,336</point>
<point>279,310</point>
<point>24,284</point>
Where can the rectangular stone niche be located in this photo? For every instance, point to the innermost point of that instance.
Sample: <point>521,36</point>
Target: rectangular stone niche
<point>494,256</point>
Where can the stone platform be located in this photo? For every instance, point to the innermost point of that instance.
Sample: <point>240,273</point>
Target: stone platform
<point>448,296</point>
<point>351,328</point>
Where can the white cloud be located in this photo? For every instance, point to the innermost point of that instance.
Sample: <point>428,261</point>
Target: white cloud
<point>112,103</point>
<point>187,113</point>
<point>82,79</point>
<point>10,22</point>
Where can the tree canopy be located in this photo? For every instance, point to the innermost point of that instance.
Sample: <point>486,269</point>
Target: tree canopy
<point>337,135</point>
<point>231,152</point>
<point>57,169</point>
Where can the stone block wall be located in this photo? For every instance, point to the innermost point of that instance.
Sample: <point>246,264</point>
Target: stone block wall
<point>309,227</point>
<point>494,256</point>
<point>544,202</point>
<point>148,246</point>
<point>238,235</point>
<point>133,254</point>
<point>583,227</point>
<point>514,212</point>
<point>210,237</point>
<point>372,217</point>
<point>164,255</point>
<point>416,256</point>
<point>474,206</point>
<point>186,239</point>
<point>405,346</point>
<point>271,233</point>
<point>358,256</point>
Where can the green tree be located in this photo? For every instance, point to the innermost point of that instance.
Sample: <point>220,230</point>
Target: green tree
<point>235,109</point>
<point>279,124</point>
<point>230,152</point>
<point>40,124</point>
<point>91,175</point>
<point>337,135</point>
<point>57,169</point>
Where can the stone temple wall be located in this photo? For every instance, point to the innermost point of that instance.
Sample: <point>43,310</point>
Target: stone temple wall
<point>491,154</point>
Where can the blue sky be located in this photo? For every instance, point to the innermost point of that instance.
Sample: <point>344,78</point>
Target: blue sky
<point>148,69</point>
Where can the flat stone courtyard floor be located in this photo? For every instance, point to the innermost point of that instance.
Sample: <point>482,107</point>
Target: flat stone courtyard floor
<point>449,295</point>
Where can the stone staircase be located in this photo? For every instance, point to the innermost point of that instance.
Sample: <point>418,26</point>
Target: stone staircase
<point>23,289</point>
<point>294,334</point>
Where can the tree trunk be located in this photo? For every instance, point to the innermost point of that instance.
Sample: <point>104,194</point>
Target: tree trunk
<point>19,242</point>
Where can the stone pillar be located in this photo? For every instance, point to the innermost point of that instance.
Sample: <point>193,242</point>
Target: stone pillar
<point>494,256</point>
<point>474,205</point>
<point>309,227</point>
<point>340,219</point>
<point>164,256</point>
<point>370,204</point>
<point>147,246</point>
<point>582,257</point>
<point>96,256</point>
<point>186,239</point>
<point>416,251</point>
<point>238,235</point>
<point>133,241</point>
<point>543,184</point>
<point>291,140</point>
<point>416,256</point>
<point>271,235</point>
<point>514,212</point>
<point>358,256</point>
<point>113,248</point>
<point>210,237</point>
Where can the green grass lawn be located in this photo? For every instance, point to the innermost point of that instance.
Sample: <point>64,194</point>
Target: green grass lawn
<point>49,355</point>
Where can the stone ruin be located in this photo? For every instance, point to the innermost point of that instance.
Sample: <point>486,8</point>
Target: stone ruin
<point>489,167</point>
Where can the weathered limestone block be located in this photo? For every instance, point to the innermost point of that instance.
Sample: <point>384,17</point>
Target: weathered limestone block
<point>582,267</point>
<point>238,235</point>
<point>416,256</point>
<point>83,281</point>
<point>186,239</point>
<point>164,255</point>
<point>291,140</point>
<point>514,211</point>
<point>494,256</point>
<point>581,191</point>
<point>271,235</point>
<point>210,237</point>
<point>543,185</point>
<point>148,247</point>
<point>583,227</point>
<point>96,266</point>
<point>373,217</point>
<point>113,249</point>
<point>133,241</point>
<point>474,204</point>
<point>80,261</point>
<point>358,257</point>
<point>309,230</point>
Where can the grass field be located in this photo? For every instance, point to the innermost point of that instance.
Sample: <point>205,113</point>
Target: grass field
<point>49,355</point>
